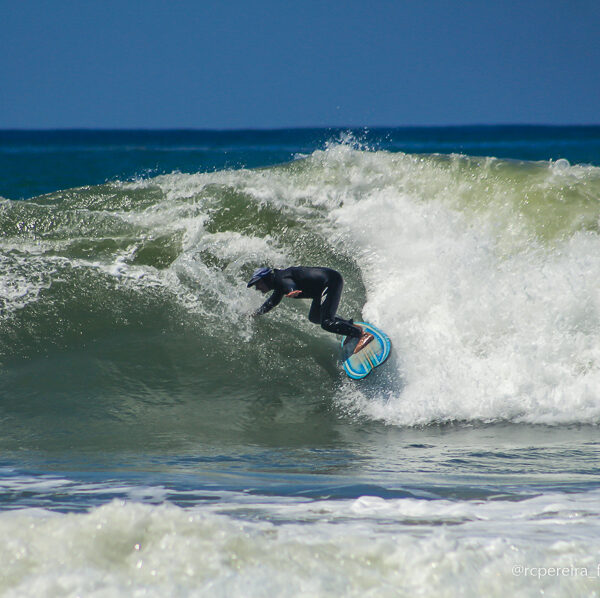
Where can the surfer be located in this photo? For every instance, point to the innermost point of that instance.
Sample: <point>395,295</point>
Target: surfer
<point>322,285</point>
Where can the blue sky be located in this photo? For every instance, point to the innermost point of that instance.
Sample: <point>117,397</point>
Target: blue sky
<point>273,64</point>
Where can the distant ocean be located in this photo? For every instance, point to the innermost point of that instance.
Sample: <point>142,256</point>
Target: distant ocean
<point>156,441</point>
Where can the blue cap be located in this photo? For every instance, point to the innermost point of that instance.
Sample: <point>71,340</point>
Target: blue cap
<point>259,274</point>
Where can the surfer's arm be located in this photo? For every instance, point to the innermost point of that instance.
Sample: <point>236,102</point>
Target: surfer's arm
<point>270,303</point>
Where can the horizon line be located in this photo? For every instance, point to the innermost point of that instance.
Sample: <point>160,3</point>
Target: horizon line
<point>298,128</point>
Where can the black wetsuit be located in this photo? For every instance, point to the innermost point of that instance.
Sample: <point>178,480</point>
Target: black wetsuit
<point>322,285</point>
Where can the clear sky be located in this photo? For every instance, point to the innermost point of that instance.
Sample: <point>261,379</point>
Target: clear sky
<point>280,63</point>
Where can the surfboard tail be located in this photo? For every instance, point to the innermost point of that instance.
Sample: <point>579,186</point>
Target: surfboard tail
<point>358,365</point>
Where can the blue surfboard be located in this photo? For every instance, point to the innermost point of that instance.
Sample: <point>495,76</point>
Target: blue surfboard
<point>361,364</point>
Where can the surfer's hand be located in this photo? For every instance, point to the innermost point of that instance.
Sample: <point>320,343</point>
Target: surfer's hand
<point>293,294</point>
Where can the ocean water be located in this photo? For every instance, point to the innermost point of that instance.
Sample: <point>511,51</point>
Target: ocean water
<point>155,440</point>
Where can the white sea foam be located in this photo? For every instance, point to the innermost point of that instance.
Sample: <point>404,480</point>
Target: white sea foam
<point>487,323</point>
<point>22,280</point>
<point>364,547</point>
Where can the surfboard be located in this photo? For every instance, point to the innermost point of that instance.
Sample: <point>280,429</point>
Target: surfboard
<point>361,364</point>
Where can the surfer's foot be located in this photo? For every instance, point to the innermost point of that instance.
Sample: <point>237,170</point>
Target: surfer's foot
<point>348,338</point>
<point>363,341</point>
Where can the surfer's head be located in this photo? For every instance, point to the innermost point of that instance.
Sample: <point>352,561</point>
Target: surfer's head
<point>260,279</point>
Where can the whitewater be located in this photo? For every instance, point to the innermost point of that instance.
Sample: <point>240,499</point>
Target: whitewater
<point>159,441</point>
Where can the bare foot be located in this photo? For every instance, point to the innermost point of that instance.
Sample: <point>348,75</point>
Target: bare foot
<point>363,341</point>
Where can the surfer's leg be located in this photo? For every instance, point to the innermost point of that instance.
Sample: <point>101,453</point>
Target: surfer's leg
<point>314,315</point>
<point>339,326</point>
<point>330,299</point>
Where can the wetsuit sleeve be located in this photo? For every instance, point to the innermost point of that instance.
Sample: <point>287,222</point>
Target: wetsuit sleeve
<point>270,303</point>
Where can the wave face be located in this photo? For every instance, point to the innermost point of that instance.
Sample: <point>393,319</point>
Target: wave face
<point>127,301</point>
